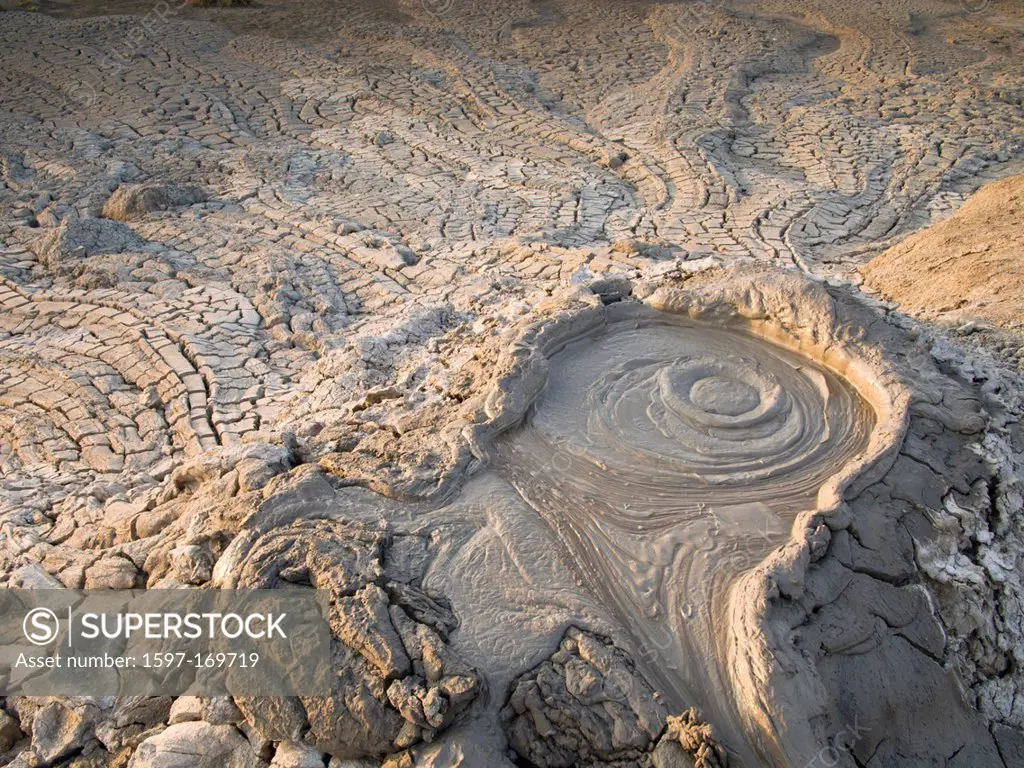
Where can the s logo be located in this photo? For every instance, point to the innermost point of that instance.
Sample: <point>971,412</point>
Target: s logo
<point>40,626</point>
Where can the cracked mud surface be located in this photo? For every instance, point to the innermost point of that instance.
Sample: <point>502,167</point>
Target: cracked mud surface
<point>272,265</point>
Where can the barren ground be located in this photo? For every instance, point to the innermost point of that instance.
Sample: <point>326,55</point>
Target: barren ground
<point>965,268</point>
<point>425,282</point>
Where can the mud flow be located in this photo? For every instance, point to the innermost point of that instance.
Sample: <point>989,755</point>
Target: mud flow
<point>670,457</point>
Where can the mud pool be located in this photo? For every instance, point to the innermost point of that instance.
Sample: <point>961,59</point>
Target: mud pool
<point>670,456</point>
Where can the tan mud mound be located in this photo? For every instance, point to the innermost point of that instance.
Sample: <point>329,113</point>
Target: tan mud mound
<point>968,266</point>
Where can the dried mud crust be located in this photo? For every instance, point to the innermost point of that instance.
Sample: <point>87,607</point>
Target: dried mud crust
<point>397,682</point>
<point>340,234</point>
<point>587,705</point>
<point>838,625</point>
<point>835,628</point>
<point>241,271</point>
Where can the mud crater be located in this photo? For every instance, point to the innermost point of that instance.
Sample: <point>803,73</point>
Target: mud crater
<point>670,456</point>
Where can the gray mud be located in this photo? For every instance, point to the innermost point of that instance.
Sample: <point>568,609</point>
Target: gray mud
<point>670,456</point>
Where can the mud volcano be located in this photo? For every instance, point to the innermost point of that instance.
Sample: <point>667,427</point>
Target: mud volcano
<point>670,456</point>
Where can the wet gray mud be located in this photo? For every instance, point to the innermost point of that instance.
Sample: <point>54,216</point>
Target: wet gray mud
<point>670,456</point>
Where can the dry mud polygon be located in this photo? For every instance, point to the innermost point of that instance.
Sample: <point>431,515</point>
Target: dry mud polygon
<point>532,332</point>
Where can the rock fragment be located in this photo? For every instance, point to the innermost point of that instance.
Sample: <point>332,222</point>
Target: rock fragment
<point>10,732</point>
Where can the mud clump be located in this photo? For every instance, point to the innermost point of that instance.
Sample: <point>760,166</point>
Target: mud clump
<point>588,705</point>
<point>77,239</point>
<point>397,682</point>
<point>130,201</point>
